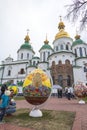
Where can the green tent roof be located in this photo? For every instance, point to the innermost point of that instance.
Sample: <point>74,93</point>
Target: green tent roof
<point>77,42</point>
<point>26,45</point>
<point>46,46</point>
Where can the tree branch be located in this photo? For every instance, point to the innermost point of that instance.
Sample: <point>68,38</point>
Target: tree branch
<point>77,10</point>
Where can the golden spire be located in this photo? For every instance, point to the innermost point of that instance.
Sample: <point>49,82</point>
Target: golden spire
<point>46,41</point>
<point>77,36</point>
<point>61,32</point>
<point>61,24</point>
<point>27,39</point>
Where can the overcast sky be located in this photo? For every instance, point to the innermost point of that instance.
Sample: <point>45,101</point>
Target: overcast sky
<point>39,16</point>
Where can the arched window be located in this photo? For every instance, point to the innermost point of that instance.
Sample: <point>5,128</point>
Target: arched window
<point>27,55</point>
<point>67,47</point>
<point>21,55</point>
<point>80,50</point>
<point>9,72</point>
<point>68,80</point>
<point>53,62</point>
<point>61,47</point>
<point>33,62</point>
<point>56,48</point>
<point>43,56</point>
<point>85,68</point>
<point>48,53</point>
<point>22,71</point>
<point>60,62</point>
<point>67,62</point>
<point>85,51</point>
<point>75,52</point>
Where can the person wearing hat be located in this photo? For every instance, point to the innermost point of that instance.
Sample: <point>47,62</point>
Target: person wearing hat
<point>12,105</point>
<point>4,103</point>
<point>3,88</point>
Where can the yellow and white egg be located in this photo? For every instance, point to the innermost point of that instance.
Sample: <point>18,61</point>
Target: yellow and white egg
<point>37,87</point>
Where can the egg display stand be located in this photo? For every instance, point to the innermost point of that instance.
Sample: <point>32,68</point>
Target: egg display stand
<point>35,112</point>
<point>81,101</point>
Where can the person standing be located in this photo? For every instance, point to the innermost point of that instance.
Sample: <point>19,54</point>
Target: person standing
<point>59,91</point>
<point>66,92</point>
<point>4,103</point>
<point>69,93</point>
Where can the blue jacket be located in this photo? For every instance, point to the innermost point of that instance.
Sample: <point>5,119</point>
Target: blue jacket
<point>5,101</point>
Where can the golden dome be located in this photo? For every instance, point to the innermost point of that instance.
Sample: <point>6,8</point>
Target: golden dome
<point>77,37</point>
<point>61,32</point>
<point>26,38</point>
<point>61,25</point>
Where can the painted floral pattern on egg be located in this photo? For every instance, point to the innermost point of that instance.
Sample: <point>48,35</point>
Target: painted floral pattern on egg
<point>37,87</point>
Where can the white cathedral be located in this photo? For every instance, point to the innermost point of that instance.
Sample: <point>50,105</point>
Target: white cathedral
<point>66,62</point>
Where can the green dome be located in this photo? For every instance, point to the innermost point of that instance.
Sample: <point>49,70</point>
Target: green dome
<point>26,45</point>
<point>35,57</point>
<point>78,41</point>
<point>46,46</point>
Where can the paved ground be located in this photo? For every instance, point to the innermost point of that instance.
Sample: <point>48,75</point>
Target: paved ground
<point>54,103</point>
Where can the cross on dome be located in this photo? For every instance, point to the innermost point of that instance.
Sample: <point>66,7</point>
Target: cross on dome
<point>60,18</point>
<point>27,38</point>
<point>61,24</point>
<point>27,31</point>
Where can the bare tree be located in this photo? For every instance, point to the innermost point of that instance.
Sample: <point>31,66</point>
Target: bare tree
<point>78,11</point>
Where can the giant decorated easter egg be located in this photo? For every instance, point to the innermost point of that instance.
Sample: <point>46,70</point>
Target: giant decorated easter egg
<point>37,87</point>
<point>80,90</point>
<point>13,87</point>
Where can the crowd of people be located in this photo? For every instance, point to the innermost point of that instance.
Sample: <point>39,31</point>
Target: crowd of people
<point>7,103</point>
<point>68,92</point>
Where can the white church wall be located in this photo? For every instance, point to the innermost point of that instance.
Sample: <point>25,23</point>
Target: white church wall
<point>62,41</point>
<point>83,46</point>
<point>25,52</point>
<point>46,54</point>
<point>43,66</point>
<point>61,56</point>
<point>15,72</point>
<point>78,76</point>
<point>81,61</point>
